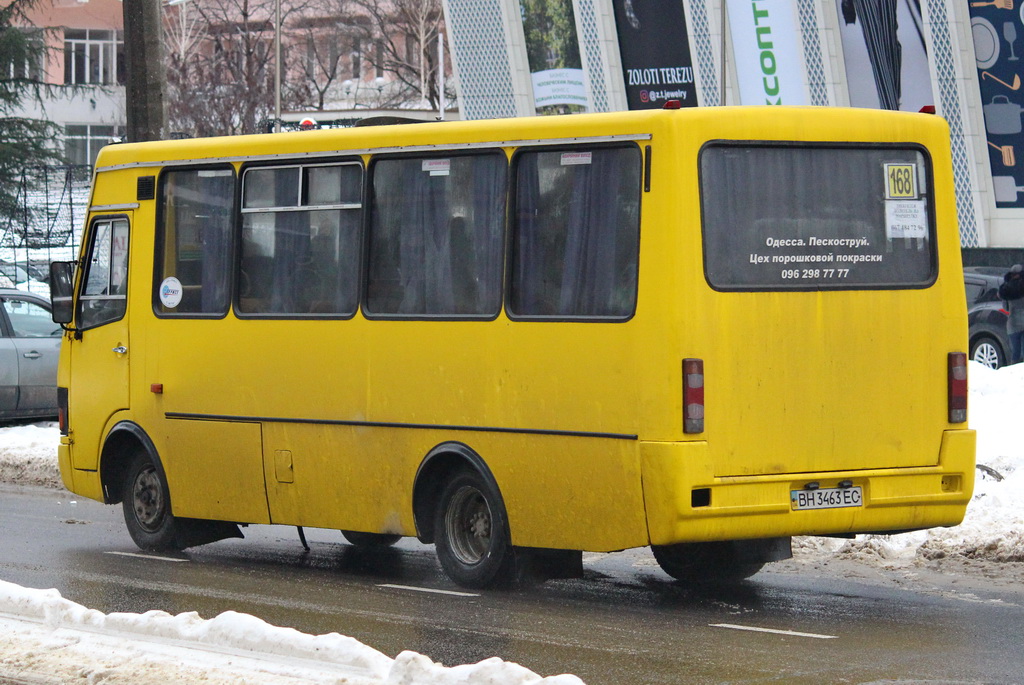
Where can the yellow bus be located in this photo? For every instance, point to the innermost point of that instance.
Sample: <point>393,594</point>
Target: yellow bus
<point>701,330</point>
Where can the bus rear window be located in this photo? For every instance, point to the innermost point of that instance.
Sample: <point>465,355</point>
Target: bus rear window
<point>800,217</point>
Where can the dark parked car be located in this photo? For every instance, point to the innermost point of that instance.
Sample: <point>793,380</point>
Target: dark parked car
<point>29,347</point>
<point>986,315</point>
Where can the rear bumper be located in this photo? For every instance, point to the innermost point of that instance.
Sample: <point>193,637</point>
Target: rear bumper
<point>686,503</point>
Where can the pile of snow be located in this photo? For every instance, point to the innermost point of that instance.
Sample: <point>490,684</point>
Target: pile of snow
<point>41,632</point>
<point>994,526</point>
<point>28,455</point>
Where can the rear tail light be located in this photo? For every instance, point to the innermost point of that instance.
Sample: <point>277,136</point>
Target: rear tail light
<point>62,410</point>
<point>957,384</point>
<point>693,395</point>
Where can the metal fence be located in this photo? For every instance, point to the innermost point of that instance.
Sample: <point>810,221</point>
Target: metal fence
<point>47,225</point>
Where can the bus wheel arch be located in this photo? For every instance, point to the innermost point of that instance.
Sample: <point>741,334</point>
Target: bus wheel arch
<point>434,472</point>
<point>124,442</point>
<point>457,496</point>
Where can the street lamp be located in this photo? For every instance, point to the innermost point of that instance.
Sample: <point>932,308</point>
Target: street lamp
<point>277,66</point>
<point>346,87</point>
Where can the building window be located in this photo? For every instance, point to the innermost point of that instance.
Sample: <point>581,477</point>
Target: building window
<point>412,53</point>
<point>93,57</point>
<point>83,142</point>
<point>31,67</point>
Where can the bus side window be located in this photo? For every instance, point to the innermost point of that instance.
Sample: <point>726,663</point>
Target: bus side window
<point>103,297</point>
<point>300,239</point>
<point>436,235</point>
<point>576,233</point>
<point>194,241</point>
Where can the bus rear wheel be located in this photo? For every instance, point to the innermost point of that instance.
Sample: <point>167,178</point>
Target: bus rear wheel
<point>703,562</point>
<point>147,506</point>
<point>370,540</point>
<point>472,533</point>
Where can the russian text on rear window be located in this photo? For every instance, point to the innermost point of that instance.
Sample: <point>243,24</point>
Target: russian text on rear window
<point>798,217</point>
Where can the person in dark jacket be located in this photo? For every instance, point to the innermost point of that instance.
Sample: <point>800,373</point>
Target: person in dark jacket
<point>1012,292</point>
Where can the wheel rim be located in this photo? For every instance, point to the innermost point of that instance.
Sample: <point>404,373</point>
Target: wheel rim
<point>148,499</point>
<point>987,354</point>
<point>468,524</point>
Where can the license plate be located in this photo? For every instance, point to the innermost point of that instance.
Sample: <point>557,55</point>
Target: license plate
<point>826,498</point>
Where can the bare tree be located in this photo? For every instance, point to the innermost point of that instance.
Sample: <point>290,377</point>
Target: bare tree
<point>329,35</point>
<point>370,53</point>
<point>221,64</point>
<point>405,35</point>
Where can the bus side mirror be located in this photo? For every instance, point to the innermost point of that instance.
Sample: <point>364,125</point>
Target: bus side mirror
<point>62,286</point>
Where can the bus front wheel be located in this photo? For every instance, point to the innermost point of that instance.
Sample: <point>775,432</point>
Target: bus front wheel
<point>472,533</point>
<point>147,506</point>
<point>704,562</point>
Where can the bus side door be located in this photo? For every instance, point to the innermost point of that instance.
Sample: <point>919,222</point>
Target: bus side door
<point>99,359</point>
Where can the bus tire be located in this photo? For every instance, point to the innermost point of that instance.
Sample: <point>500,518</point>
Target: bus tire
<point>147,506</point>
<point>370,540</point>
<point>472,533</point>
<point>703,562</point>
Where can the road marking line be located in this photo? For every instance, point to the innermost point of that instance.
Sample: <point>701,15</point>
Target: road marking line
<point>145,556</point>
<point>772,630</point>
<point>427,589</point>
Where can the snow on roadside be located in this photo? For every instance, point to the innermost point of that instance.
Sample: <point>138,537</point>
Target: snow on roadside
<point>28,455</point>
<point>41,632</point>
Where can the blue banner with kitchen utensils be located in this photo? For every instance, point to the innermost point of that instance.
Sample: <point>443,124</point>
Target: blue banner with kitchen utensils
<point>997,27</point>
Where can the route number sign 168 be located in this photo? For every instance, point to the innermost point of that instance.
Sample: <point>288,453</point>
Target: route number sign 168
<point>900,181</point>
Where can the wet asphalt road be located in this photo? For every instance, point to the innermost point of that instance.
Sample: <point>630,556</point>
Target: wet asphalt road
<point>624,622</point>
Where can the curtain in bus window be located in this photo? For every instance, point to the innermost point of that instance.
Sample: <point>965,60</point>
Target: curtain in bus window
<point>424,259</point>
<point>479,266</point>
<point>436,236</point>
<point>577,232</point>
<point>290,250</point>
<point>528,282</point>
<point>215,242</point>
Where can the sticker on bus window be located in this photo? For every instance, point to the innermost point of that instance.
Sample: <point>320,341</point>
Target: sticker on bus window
<point>571,158</point>
<point>905,219</point>
<point>437,167</point>
<point>170,292</point>
<point>900,181</point>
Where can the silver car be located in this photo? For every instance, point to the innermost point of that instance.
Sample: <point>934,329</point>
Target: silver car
<point>29,347</point>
